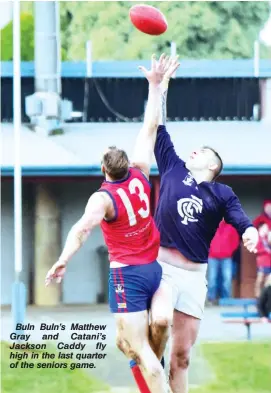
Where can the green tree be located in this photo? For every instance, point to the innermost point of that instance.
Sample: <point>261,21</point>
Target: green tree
<point>27,36</point>
<point>27,39</point>
<point>200,29</point>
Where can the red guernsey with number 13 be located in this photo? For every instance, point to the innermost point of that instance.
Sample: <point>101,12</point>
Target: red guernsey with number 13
<point>131,237</point>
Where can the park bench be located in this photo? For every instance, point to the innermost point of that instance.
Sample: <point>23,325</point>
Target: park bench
<point>246,316</point>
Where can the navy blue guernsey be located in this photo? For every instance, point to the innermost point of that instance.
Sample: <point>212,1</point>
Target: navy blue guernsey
<point>188,213</point>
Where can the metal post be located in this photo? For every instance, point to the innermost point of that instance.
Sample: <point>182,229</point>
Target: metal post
<point>89,59</point>
<point>256,58</point>
<point>18,288</point>
<point>17,137</point>
<point>58,48</point>
<point>47,69</point>
<point>47,47</point>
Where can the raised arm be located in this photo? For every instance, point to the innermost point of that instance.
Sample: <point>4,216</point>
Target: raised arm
<point>164,151</point>
<point>145,142</point>
<point>95,211</point>
<point>143,150</point>
<point>163,100</point>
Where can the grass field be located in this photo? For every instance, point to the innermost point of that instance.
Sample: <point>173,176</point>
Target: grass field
<point>237,368</point>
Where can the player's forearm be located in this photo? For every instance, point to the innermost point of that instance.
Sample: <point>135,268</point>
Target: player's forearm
<point>75,239</point>
<point>152,111</point>
<point>145,141</point>
<point>163,102</point>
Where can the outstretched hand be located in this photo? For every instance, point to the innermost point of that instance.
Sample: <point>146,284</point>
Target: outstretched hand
<point>172,64</point>
<point>56,272</point>
<point>164,67</point>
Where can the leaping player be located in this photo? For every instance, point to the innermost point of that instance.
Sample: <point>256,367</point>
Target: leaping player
<point>190,207</point>
<point>122,208</point>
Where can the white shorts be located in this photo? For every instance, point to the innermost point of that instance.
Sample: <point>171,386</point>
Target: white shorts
<point>189,289</point>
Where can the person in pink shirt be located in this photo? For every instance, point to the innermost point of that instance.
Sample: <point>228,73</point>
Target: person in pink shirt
<point>263,258</point>
<point>265,216</point>
<point>222,248</point>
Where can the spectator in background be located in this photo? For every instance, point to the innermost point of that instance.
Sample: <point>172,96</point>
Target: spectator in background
<point>263,257</point>
<point>264,302</point>
<point>265,216</point>
<point>222,248</point>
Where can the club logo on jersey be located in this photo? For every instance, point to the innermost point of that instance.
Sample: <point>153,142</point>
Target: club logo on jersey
<point>122,305</point>
<point>188,181</point>
<point>119,288</point>
<point>187,207</point>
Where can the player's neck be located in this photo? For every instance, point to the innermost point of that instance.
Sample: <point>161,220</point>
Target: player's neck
<point>110,179</point>
<point>201,176</point>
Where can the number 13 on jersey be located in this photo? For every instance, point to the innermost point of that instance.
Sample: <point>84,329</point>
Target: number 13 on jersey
<point>143,212</point>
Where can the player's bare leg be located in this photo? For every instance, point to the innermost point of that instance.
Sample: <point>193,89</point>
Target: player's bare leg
<point>161,319</point>
<point>133,340</point>
<point>184,333</point>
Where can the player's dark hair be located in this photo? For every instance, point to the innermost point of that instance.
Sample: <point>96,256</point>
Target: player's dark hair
<point>116,163</point>
<point>219,159</point>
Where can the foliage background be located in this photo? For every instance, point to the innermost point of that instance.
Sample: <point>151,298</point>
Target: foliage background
<point>201,30</point>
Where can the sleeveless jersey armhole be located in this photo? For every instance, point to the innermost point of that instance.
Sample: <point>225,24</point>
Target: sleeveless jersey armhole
<point>114,204</point>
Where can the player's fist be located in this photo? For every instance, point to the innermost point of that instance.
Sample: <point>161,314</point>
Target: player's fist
<point>56,272</point>
<point>250,239</point>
